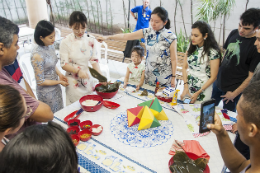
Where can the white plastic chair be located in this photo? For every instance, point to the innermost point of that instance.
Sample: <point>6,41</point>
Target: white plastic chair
<point>103,61</point>
<point>27,69</point>
<point>57,34</point>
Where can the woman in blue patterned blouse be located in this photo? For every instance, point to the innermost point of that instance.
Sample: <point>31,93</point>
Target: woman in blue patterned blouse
<point>161,45</point>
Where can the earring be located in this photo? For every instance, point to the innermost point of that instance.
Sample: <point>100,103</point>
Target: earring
<point>204,38</point>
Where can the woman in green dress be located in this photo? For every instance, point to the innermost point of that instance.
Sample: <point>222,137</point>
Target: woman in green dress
<point>203,60</point>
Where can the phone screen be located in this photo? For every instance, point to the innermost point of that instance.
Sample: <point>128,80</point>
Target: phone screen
<point>187,101</point>
<point>207,115</point>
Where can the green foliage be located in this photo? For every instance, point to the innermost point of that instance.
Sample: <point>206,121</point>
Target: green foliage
<point>182,42</point>
<point>205,10</point>
<point>212,9</point>
<point>126,30</point>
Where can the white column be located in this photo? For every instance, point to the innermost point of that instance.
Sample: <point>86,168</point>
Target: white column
<point>36,10</point>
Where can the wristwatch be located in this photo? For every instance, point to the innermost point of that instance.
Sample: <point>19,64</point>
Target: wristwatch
<point>135,17</point>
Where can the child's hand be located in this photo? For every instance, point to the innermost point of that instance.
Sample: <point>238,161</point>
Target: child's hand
<point>137,87</point>
<point>125,84</point>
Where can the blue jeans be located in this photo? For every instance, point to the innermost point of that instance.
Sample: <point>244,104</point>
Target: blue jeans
<point>216,93</point>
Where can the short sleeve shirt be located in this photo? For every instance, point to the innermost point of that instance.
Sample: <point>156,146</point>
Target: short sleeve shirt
<point>143,17</point>
<point>6,79</point>
<point>136,71</point>
<point>241,57</point>
<point>15,71</point>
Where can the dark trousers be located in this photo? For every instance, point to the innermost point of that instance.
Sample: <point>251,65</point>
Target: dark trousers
<point>216,93</point>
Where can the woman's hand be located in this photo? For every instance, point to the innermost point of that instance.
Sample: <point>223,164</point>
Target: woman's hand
<point>83,75</point>
<point>173,82</point>
<point>185,92</point>
<point>63,78</point>
<point>63,83</point>
<point>101,38</point>
<point>103,83</point>
<point>194,97</point>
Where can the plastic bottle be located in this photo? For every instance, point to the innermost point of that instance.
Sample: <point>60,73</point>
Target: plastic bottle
<point>174,98</point>
<point>156,88</point>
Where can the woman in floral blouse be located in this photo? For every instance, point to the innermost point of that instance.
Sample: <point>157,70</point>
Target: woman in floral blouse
<point>203,60</point>
<point>161,46</point>
<point>77,50</point>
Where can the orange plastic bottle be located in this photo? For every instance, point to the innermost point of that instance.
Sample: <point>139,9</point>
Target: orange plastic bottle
<point>156,88</point>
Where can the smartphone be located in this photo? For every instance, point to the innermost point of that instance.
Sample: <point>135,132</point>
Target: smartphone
<point>187,100</point>
<point>207,113</point>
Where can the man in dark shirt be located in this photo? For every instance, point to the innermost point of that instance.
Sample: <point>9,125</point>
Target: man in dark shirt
<point>238,65</point>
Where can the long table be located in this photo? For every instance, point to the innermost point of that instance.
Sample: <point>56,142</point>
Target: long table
<point>122,149</point>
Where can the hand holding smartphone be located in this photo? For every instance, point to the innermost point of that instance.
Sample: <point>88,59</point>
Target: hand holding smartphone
<point>207,113</point>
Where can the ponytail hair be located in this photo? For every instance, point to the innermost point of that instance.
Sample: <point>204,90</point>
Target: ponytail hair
<point>163,14</point>
<point>168,24</point>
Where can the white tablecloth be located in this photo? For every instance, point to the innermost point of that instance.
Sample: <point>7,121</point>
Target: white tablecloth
<point>156,158</point>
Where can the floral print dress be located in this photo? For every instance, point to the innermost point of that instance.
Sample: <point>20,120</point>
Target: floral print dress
<point>44,69</point>
<point>158,67</point>
<point>136,71</point>
<point>199,72</point>
<point>78,52</point>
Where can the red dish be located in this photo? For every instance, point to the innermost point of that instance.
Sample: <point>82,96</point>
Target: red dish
<point>168,99</point>
<point>105,95</point>
<point>96,126</point>
<point>85,124</point>
<point>74,130</point>
<point>75,139</point>
<point>74,122</point>
<point>68,117</point>
<point>86,132</point>
<point>91,108</point>
<point>110,105</point>
<point>193,157</point>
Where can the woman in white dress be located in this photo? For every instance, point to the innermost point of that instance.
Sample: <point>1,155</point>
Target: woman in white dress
<point>77,50</point>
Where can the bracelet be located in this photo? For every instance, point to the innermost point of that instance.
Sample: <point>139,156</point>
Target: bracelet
<point>173,76</point>
<point>135,17</point>
<point>202,90</point>
<point>186,83</point>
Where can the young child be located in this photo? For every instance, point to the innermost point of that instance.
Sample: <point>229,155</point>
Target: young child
<point>136,69</point>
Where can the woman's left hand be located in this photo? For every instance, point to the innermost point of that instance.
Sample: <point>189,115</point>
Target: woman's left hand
<point>63,78</point>
<point>194,97</point>
<point>103,83</point>
<point>173,82</point>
